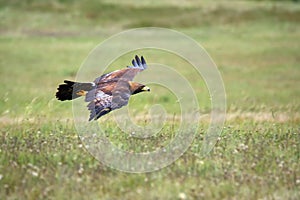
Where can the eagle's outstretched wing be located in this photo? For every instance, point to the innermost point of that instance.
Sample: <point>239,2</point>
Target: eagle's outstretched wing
<point>102,103</point>
<point>127,74</point>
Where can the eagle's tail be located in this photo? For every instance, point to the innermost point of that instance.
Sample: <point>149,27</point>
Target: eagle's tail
<point>72,90</point>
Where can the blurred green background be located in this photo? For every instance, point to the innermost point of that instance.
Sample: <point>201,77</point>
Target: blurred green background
<point>255,45</point>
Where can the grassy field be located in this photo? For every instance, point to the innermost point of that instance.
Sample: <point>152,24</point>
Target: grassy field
<point>255,45</point>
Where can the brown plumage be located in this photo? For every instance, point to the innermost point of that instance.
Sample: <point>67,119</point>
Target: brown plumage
<point>107,92</point>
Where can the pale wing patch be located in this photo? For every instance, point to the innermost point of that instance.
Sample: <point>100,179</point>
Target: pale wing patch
<point>99,105</point>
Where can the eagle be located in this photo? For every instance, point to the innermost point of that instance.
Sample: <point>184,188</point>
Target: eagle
<point>108,92</point>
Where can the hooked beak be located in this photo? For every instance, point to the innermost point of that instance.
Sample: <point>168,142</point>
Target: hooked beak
<point>146,88</point>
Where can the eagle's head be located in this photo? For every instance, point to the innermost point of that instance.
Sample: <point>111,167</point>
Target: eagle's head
<point>137,88</point>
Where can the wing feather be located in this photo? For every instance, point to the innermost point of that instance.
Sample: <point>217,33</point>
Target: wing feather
<point>102,103</point>
<point>121,95</point>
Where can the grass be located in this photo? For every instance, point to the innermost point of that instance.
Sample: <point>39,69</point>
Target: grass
<point>250,159</point>
<point>255,45</point>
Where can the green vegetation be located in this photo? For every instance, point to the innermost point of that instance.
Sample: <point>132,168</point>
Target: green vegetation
<point>256,46</point>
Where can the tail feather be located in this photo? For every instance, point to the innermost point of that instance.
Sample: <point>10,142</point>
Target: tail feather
<point>72,90</point>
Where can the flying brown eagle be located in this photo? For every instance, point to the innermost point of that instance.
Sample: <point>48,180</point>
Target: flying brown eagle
<point>107,92</point>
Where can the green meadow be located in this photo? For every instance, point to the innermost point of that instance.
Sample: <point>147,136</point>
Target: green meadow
<point>255,45</point>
